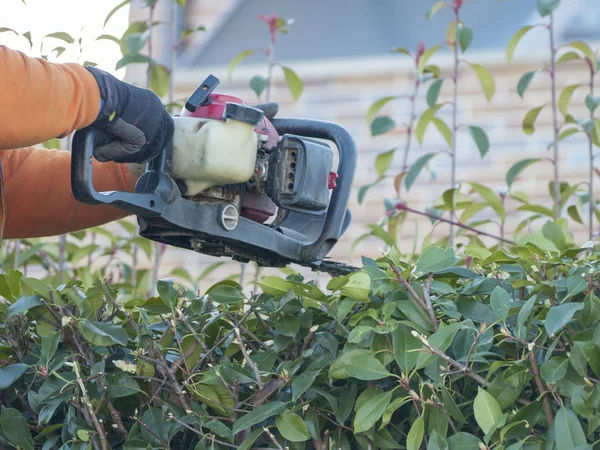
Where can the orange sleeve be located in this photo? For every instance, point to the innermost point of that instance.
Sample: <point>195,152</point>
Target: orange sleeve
<point>38,198</point>
<point>41,100</point>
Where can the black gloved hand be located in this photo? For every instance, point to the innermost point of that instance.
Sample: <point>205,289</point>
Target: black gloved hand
<point>134,126</point>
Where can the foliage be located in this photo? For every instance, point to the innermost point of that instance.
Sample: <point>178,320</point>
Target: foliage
<point>495,350</point>
<point>259,84</point>
<point>468,207</point>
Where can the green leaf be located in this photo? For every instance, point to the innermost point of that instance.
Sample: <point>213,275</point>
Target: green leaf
<point>514,41</point>
<point>424,121</point>
<point>545,7</point>
<point>574,213</point>
<point>568,56</point>
<point>569,434</point>
<point>238,59</point>
<point>481,139</point>
<point>62,36</point>
<point>10,30</point>
<point>489,196</point>
<point>360,364</point>
<point>405,347</point>
<point>565,98</point>
<point>15,428</point>
<point>10,374</point>
<point>434,9</point>
<point>384,161</point>
<point>294,82</point>
<point>226,294</point>
<point>517,168</point>
<point>302,383</point>
<point>436,259</point>
<point>486,79</point>
<point>376,107</point>
<point>38,286</point>
<point>251,439</point>
<point>554,369</point>
<point>382,125</point>
<point>132,59</point>
<point>592,102</point>
<point>415,169</point>
<point>23,305</point>
<point>160,79</point>
<point>358,287</point>
<point>121,385</point>
<point>167,292</point>
<point>500,302</point>
<point>437,442</point>
<point>102,333</point>
<point>114,10</point>
<point>415,435</point>
<point>292,427</point>
<point>52,144</point>
<point>525,81</point>
<point>559,316</point>
<point>465,37</point>
<point>371,411</point>
<point>575,284</point>
<point>425,57</point>
<point>530,118</point>
<point>443,129</point>
<point>288,326</point>
<point>464,441</point>
<point>433,92</point>
<point>487,411</point>
<point>189,31</point>
<point>49,346</point>
<point>136,41</point>
<point>586,50</point>
<point>258,84</point>
<point>257,415</point>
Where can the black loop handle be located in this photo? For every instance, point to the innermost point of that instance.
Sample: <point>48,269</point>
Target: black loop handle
<point>146,201</point>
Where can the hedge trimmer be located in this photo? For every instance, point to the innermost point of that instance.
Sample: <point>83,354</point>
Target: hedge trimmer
<point>237,182</point>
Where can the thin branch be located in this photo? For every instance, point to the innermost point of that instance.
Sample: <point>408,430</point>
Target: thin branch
<point>541,386</point>
<point>454,126</point>
<point>149,430</point>
<point>557,200</point>
<point>90,408</point>
<point>251,363</point>
<point>426,294</point>
<point>272,437</point>
<point>403,207</point>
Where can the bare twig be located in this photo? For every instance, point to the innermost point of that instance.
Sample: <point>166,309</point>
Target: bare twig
<point>273,439</point>
<point>541,386</point>
<point>426,294</point>
<point>149,430</point>
<point>90,408</point>
<point>403,207</point>
<point>591,152</point>
<point>461,367</point>
<point>251,363</point>
<point>454,119</point>
<point>556,130</point>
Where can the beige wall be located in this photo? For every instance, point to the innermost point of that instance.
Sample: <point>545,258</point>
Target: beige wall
<point>341,92</point>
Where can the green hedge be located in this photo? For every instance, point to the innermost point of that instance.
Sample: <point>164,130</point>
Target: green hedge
<point>491,350</point>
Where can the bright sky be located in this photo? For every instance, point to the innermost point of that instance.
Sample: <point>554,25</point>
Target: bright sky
<point>79,18</point>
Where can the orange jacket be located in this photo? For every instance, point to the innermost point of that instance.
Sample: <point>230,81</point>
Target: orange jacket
<point>41,101</point>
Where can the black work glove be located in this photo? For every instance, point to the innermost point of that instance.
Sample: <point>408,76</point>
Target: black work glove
<point>133,126</point>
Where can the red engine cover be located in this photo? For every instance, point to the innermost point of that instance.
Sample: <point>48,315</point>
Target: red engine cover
<point>258,208</point>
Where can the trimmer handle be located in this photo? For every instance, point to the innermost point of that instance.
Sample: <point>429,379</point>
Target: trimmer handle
<point>146,201</point>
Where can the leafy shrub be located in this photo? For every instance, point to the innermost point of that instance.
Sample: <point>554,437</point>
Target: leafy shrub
<point>495,350</point>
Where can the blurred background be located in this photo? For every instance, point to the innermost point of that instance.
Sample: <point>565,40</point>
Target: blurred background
<point>341,50</point>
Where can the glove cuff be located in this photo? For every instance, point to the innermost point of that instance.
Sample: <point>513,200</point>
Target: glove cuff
<point>113,95</point>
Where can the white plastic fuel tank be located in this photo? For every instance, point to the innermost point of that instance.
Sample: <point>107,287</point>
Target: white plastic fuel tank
<point>209,153</point>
